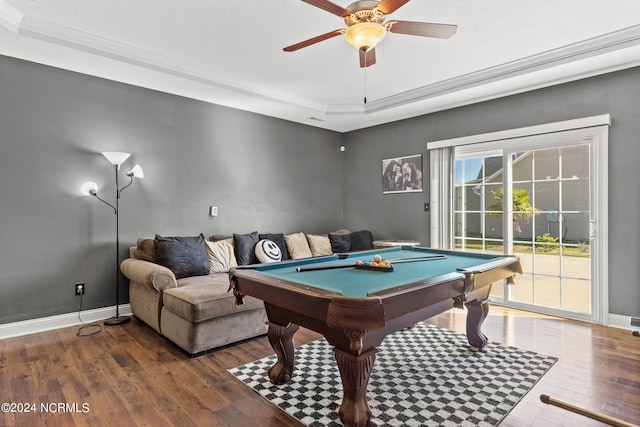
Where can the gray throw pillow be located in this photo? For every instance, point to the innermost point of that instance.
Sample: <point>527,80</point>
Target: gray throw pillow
<point>185,256</point>
<point>361,240</point>
<point>340,242</point>
<point>245,247</point>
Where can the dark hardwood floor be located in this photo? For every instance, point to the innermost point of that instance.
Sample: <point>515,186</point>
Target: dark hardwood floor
<point>129,375</point>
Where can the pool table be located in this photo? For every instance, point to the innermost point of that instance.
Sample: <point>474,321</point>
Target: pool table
<point>356,308</point>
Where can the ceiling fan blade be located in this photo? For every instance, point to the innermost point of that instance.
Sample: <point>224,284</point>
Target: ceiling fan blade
<point>424,29</point>
<point>329,7</point>
<point>312,40</point>
<point>367,57</point>
<point>388,6</point>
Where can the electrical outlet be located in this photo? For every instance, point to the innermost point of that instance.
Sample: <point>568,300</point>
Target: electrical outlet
<point>635,321</point>
<point>79,288</point>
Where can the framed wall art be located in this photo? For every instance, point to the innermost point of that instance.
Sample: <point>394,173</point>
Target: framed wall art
<point>402,174</point>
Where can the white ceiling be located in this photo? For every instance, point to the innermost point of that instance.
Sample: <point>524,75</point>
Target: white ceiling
<point>230,52</point>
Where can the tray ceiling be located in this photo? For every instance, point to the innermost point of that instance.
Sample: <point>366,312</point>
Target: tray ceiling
<point>230,52</point>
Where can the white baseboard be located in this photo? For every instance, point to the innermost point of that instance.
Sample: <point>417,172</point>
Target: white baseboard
<point>619,321</point>
<point>43,324</point>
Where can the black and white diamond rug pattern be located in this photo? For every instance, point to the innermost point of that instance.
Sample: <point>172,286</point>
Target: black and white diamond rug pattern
<point>424,376</point>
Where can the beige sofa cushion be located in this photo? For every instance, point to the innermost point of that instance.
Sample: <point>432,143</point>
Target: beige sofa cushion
<point>341,231</point>
<point>145,249</point>
<point>197,299</point>
<point>297,246</point>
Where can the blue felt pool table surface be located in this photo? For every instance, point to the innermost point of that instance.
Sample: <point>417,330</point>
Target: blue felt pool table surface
<point>352,282</point>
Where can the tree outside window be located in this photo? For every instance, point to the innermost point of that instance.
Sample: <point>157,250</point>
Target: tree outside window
<point>522,209</point>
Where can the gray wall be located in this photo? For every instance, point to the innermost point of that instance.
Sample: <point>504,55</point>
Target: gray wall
<point>402,215</point>
<point>264,174</point>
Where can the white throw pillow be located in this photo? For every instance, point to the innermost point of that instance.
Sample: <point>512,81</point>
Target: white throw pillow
<point>268,251</point>
<point>221,256</point>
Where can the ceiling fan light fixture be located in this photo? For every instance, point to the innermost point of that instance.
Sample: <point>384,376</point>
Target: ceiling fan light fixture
<point>365,35</point>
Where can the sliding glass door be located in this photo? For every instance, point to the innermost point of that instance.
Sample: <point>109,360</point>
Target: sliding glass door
<point>533,197</point>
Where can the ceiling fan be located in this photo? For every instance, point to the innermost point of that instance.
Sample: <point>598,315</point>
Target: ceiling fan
<point>366,26</point>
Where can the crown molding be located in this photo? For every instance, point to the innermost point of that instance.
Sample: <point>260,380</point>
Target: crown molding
<point>10,17</point>
<point>618,40</point>
<point>40,29</point>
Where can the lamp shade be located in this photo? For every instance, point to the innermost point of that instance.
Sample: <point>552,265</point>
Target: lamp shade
<point>116,157</point>
<point>365,34</point>
<point>136,172</point>
<point>89,188</point>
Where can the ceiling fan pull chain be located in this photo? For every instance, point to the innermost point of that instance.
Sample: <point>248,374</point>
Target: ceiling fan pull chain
<point>365,80</point>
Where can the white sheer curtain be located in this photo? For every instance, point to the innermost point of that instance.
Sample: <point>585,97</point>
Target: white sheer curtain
<point>440,195</point>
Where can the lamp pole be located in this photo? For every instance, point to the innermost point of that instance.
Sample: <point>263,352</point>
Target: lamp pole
<point>117,320</point>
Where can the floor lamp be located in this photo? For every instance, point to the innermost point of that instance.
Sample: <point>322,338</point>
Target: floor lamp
<point>91,188</point>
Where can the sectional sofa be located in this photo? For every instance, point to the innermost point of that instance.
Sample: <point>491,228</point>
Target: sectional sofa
<point>179,286</point>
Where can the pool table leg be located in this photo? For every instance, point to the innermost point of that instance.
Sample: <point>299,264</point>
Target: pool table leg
<point>355,372</point>
<point>281,339</point>
<point>476,313</point>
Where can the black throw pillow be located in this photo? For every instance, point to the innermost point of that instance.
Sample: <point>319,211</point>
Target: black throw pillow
<point>185,256</point>
<point>245,248</point>
<point>361,240</point>
<point>340,243</point>
<point>278,239</point>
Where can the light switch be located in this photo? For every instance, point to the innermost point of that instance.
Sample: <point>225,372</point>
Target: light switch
<point>213,210</point>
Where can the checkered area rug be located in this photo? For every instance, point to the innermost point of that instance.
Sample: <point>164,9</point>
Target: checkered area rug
<point>424,376</point>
